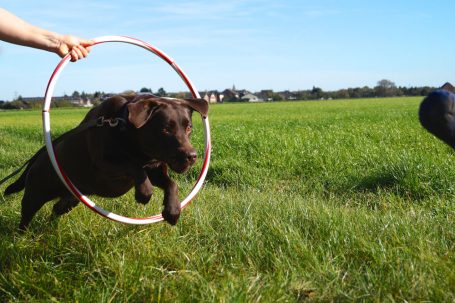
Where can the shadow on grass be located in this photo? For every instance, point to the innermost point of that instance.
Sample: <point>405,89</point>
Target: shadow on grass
<point>397,180</point>
<point>233,176</point>
<point>8,226</point>
<point>384,180</point>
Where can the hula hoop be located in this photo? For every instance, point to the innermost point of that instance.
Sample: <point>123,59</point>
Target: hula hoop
<point>61,173</point>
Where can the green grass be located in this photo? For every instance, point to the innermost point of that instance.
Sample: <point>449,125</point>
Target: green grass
<point>305,201</point>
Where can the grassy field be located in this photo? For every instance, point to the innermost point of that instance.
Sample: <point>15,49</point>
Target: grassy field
<point>304,201</point>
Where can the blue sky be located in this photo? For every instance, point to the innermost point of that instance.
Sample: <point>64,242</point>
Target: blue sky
<point>254,44</point>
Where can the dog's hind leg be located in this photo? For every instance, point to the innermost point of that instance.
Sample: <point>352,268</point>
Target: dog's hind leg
<point>39,190</point>
<point>30,205</point>
<point>64,205</point>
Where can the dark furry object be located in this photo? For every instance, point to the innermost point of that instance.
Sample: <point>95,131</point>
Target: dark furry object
<point>437,115</point>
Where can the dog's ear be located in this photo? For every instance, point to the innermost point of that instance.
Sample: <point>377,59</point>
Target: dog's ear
<point>141,111</point>
<point>199,105</point>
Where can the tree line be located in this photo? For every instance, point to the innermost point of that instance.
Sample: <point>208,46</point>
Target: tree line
<point>384,88</point>
<point>76,99</point>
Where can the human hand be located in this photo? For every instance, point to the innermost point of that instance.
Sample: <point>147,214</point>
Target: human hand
<point>77,47</point>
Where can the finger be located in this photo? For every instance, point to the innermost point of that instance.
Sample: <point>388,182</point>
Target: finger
<point>83,51</point>
<point>73,56</point>
<point>78,52</point>
<point>85,42</point>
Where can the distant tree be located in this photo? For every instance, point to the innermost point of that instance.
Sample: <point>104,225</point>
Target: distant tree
<point>267,95</point>
<point>385,88</point>
<point>342,94</point>
<point>316,93</point>
<point>17,104</point>
<point>387,84</point>
<point>304,95</point>
<point>276,97</point>
<point>356,92</point>
<point>11,105</point>
<point>426,90</point>
<point>63,103</point>
<point>367,92</point>
<point>146,90</point>
<point>161,92</point>
<point>76,95</point>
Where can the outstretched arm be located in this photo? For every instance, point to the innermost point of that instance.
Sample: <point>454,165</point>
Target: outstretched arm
<point>17,31</point>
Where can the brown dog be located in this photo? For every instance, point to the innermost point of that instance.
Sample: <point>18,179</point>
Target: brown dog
<point>124,142</point>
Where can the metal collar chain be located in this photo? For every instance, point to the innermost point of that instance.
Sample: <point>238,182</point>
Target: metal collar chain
<point>113,122</point>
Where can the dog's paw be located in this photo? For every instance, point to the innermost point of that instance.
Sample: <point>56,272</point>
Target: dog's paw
<point>171,214</point>
<point>143,193</point>
<point>141,198</point>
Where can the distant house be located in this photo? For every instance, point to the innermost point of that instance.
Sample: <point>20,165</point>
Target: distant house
<point>33,99</point>
<point>449,87</point>
<point>266,94</point>
<point>287,95</point>
<point>234,95</point>
<point>230,95</point>
<point>213,97</point>
<point>77,101</point>
<point>251,98</point>
<point>86,101</point>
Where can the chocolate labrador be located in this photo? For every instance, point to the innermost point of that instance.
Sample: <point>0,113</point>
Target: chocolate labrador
<point>126,141</point>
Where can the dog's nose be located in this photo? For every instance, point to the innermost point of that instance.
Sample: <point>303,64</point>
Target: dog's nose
<point>191,156</point>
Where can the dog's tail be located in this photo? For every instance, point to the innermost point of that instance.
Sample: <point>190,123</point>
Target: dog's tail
<point>19,184</point>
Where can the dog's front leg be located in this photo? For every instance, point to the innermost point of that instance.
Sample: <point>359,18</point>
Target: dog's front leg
<point>142,186</point>
<point>159,177</point>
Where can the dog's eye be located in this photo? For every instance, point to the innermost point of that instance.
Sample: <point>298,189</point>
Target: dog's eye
<point>169,128</point>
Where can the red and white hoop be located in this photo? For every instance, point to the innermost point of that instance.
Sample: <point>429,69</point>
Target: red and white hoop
<point>61,173</point>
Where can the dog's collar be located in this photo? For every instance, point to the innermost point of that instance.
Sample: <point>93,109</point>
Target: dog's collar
<point>113,122</point>
<point>121,119</point>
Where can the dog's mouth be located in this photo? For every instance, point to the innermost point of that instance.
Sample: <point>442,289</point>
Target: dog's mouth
<point>182,161</point>
<point>179,166</point>
<point>180,169</point>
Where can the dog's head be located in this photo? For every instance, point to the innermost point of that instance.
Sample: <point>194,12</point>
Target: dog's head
<point>163,127</point>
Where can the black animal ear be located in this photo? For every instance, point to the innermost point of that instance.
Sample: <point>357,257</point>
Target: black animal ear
<point>141,111</point>
<point>199,105</point>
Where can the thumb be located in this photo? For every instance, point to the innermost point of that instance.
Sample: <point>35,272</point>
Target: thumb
<point>85,42</point>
